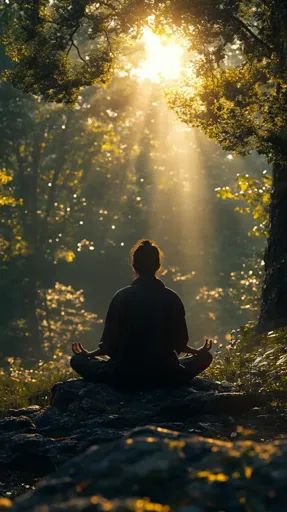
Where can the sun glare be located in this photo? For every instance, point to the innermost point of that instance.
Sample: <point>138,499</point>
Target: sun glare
<point>163,58</point>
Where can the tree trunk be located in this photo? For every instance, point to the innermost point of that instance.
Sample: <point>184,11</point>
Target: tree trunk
<point>273,312</point>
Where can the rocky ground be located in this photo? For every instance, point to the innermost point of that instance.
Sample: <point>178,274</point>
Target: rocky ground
<point>202,448</point>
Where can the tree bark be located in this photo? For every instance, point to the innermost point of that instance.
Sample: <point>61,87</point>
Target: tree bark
<point>273,313</point>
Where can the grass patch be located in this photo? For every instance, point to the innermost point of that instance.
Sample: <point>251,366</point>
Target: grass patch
<point>21,386</point>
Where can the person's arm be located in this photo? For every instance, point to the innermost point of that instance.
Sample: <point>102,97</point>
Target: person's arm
<point>180,332</point>
<point>108,343</point>
<point>77,348</point>
<point>109,339</point>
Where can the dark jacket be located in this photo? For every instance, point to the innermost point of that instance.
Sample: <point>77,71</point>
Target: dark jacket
<point>145,325</point>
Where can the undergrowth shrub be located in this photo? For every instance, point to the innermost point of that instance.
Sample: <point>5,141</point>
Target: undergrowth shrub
<point>62,320</point>
<point>255,362</point>
<point>63,317</point>
<point>21,386</point>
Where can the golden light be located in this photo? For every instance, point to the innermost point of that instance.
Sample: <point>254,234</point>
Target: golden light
<point>163,57</point>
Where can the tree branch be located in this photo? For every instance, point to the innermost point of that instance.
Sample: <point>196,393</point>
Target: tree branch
<point>73,45</point>
<point>251,33</point>
<point>108,41</point>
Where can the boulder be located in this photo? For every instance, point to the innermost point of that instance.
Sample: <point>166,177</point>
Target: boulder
<point>156,469</point>
<point>17,423</point>
<point>27,411</point>
<point>37,441</point>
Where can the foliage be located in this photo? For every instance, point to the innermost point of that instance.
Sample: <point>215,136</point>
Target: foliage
<point>21,386</point>
<point>49,155</point>
<point>252,361</point>
<point>236,91</point>
<point>57,164</point>
<point>7,199</point>
<point>246,284</point>
<point>242,291</point>
<point>255,193</point>
<point>253,196</point>
<point>62,318</point>
<point>77,42</point>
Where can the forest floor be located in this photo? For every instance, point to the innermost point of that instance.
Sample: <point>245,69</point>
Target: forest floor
<point>229,447</point>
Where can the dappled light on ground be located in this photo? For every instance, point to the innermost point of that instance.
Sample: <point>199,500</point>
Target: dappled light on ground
<point>207,476</point>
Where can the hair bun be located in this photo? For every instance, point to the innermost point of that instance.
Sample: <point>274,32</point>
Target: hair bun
<point>145,258</point>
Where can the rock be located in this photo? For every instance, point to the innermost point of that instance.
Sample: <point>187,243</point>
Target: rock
<point>100,504</point>
<point>201,384</point>
<point>65,393</point>
<point>210,403</point>
<point>33,453</point>
<point>52,422</point>
<point>36,441</point>
<point>27,411</point>
<point>204,397</point>
<point>153,466</point>
<point>17,424</point>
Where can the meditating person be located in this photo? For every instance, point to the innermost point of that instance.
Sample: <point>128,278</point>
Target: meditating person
<point>144,333</point>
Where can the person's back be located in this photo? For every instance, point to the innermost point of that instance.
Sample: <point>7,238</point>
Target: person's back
<point>145,325</point>
<point>145,329</point>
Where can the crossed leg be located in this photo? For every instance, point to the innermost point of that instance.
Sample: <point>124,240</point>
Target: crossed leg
<point>196,364</point>
<point>93,370</point>
<point>97,370</point>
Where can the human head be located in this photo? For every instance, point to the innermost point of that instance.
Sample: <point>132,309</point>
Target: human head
<point>146,258</point>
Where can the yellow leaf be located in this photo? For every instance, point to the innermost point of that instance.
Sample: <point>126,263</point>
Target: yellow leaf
<point>4,178</point>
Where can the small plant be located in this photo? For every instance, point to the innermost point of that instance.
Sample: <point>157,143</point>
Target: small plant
<point>21,386</point>
<point>63,318</point>
<point>254,362</point>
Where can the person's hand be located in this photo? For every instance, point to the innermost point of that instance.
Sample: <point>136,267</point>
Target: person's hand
<point>98,352</point>
<point>190,350</point>
<point>207,346</point>
<point>78,348</point>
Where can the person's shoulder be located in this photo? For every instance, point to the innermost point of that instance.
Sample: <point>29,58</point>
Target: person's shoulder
<point>172,296</point>
<point>122,293</point>
<point>171,293</point>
